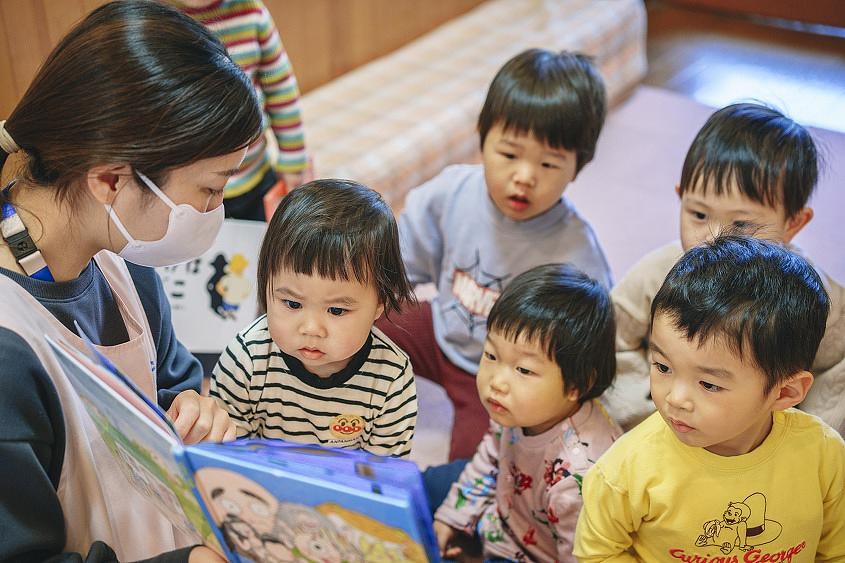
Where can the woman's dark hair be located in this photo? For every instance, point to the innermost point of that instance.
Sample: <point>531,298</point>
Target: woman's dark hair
<point>336,229</point>
<point>559,98</point>
<point>771,158</point>
<point>570,315</point>
<point>135,82</point>
<point>766,303</point>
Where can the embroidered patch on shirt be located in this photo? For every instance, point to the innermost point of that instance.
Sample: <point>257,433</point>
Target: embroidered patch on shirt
<point>347,426</point>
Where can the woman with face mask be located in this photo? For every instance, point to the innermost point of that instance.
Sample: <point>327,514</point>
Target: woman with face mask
<point>125,140</point>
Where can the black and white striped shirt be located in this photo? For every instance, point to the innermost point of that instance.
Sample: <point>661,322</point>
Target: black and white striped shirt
<point>371,404</point>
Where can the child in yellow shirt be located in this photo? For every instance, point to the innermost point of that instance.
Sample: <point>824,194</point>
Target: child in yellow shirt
<point>725,470</point>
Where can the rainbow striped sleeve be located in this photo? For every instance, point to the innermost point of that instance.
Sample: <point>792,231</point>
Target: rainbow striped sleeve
<point>247,30</point>
<point>275,75</point>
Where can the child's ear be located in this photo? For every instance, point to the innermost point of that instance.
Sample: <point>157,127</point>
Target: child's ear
<point>797,222</point>
<point>792,391</point>
<point>379,311</point>
<point>678,189</point>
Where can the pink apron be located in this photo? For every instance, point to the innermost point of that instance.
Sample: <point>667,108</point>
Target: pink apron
<point>98,501</point>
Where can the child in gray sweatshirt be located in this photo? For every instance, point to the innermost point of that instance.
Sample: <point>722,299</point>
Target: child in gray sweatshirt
<point>473,228</point>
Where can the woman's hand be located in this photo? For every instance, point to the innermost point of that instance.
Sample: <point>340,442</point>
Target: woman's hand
<point>197,419</point>
<point>445,536</point>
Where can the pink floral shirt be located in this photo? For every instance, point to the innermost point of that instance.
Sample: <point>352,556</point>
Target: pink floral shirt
<point>522,494</point>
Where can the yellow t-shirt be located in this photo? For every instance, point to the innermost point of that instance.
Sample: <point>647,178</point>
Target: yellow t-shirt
<point>652,498</point>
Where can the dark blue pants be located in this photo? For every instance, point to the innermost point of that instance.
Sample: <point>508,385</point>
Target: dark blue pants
<point>250,206</point>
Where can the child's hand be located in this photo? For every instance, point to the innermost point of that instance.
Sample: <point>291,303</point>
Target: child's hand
<point>445,535</point>
<point>202,554</point>
<point>293,179</point>
<point>197,418</point>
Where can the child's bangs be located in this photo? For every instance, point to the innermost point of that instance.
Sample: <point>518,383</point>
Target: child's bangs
<point>531,115</point>
<point>532,330</point>
<point>327,255</point>
<point>757,181</point>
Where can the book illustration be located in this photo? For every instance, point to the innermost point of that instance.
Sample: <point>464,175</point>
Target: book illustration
<point>228,287</point>
<point>259,528</point>
<point>313,504</point>
<point>377,542</point>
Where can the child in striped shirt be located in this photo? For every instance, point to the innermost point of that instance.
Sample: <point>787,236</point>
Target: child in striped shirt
<point>313,369</point>
<point>249,34</point>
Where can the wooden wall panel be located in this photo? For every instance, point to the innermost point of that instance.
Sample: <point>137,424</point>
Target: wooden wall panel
<point>26,40</point>
<point>8,88</point>
<point>306,28</point>
<point>324,38</point>
<point>61,16</point>
<point>29,29</point>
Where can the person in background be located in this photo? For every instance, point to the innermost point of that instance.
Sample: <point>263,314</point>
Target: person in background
<point>247,30</point>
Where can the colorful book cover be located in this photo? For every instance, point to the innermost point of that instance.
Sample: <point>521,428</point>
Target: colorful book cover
<point>258,500</point>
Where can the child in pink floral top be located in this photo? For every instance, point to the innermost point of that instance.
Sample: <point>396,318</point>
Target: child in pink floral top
<point>549,354</point>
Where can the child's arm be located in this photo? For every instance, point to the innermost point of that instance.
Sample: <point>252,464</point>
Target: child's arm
<point>420,232</point>
<point>446,535</point>
<point>832,541</point>
<point>628,400</point>
<point>633,295</point>
<point>605,525</point>
<point>475,490</point>
<point>230,386</point>
<point>825,396</point>
<point>393,428</point>
<point>278,82</point>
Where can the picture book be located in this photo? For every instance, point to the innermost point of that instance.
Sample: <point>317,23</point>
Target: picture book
<point>257,500</point>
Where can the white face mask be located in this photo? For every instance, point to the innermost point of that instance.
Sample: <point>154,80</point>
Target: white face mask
<point>190,233</point>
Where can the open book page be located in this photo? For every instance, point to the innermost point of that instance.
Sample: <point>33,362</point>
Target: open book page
<point>146,449</point>
<point>279,502</point>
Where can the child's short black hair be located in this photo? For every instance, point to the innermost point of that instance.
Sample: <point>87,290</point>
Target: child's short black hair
<point>765,302</point>
<point>771,158</point>
<point>557,97</point>
<point>570,315</point>
<point>336,229</point>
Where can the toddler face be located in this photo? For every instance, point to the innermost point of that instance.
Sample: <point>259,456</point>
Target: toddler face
<point>321,322</point>
<point>525,178</point>
<point>704,215</point>
<point>520,386</point>
<point>707,395</point>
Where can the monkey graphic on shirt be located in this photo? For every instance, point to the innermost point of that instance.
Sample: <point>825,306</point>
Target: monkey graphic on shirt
<point>743,525</point>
